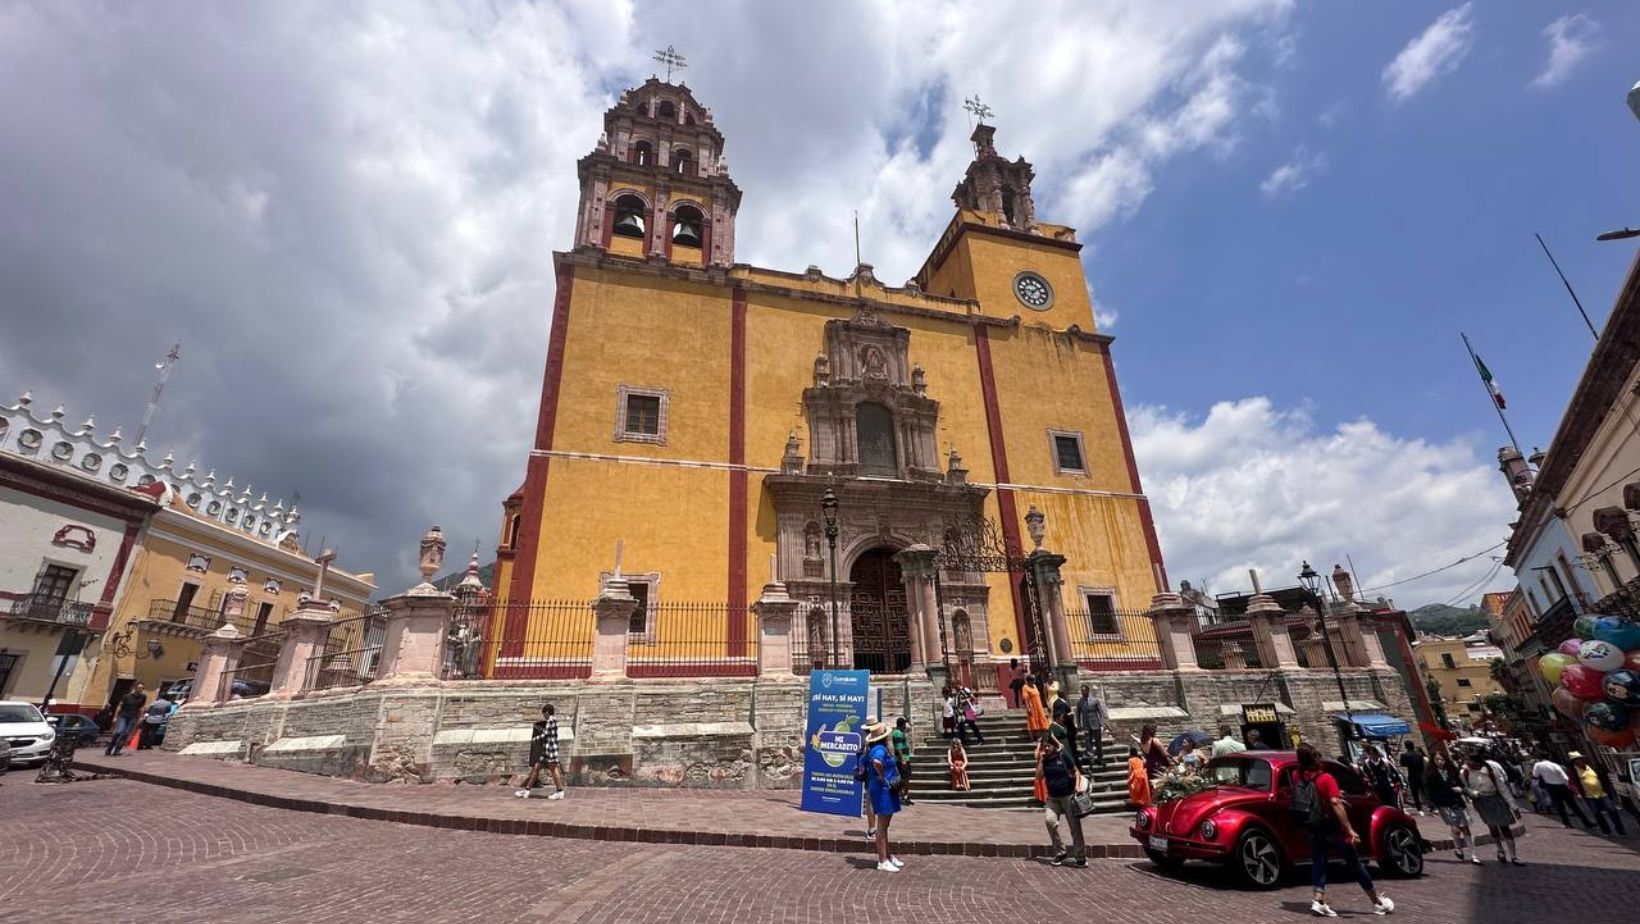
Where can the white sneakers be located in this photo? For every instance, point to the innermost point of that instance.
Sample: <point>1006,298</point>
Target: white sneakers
<point>525,794</point>
<point>1384,906</point>
<point>557,795</point>
<point>1321,910</point>
<point>891,865</point>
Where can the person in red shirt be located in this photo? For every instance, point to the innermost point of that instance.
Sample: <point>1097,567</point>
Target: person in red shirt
<point>1321,811</point>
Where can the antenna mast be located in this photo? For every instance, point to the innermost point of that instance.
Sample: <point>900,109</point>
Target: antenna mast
<point>159,389</point>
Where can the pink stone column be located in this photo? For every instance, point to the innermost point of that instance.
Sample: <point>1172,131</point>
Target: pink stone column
<point>612,617</point>
<point>917,563</point>
<point>221,654</point>
<point>305,633</point>
<point>1270,636</point>
<point>418,623</point>
<point>1344,621</point>
<point>1171,616</point>
<point>775,610</point>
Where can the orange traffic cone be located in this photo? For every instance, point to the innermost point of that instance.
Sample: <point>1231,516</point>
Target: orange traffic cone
<point>136,736</point>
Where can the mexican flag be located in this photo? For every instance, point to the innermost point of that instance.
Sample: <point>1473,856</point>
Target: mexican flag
<point>1491,383</point>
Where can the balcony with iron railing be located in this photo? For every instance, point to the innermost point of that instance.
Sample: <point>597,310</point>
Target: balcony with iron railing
<point>173,615</point>
<point>41,608</point>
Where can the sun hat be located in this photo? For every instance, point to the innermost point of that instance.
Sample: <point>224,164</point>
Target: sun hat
<point>875,732</point>
<point>1574,755</point>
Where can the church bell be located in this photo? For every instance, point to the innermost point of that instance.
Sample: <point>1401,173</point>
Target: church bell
<point>686,233</point>
<point>629,225</point>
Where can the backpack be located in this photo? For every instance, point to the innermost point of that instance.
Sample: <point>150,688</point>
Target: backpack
<point>1307,808</point>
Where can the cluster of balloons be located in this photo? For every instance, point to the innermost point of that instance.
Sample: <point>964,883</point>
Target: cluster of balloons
<point>1596,677</point>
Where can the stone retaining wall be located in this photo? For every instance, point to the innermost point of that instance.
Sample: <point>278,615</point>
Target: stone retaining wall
<point>726,733</point>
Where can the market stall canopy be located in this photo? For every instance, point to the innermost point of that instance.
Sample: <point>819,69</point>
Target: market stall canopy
<point>1376,725</point>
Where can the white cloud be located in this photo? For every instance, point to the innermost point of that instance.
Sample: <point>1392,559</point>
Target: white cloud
<point>1254,486</point>
<point>1293,175</point>
<point>1437,51</point>
<point>1571,39</point>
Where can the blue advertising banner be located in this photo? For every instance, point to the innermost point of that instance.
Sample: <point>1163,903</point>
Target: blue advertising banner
<point>837,710</point>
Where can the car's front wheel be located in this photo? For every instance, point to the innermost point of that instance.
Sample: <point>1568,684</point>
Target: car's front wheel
<point>1257,860</point>
<point>1400,855</point>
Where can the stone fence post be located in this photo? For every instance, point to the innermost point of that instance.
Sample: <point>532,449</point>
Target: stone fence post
<point>418,625</point>
<point>1270,637</point>
<point>612,617</point>
<point>917,564</point>
<point>220,655</point>
<point>775,610</point>
<point>305,634</point>
<point>1172,618</point>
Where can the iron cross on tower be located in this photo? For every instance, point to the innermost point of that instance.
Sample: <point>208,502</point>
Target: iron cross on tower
<point>979,110</point>
<point>671,59</point>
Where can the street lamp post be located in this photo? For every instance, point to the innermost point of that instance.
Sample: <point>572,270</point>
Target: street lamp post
<point>828,509</point>
<point>1312,584</point>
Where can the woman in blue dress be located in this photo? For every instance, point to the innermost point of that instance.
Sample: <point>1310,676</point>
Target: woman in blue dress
<point>883,785</point>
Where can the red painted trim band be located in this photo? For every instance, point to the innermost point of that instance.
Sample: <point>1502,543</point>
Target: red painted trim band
<point>737,477</point>
<point>1153,544</point>
<point>116,570</point>
<point>1007,510</point>
<point>522,586</point>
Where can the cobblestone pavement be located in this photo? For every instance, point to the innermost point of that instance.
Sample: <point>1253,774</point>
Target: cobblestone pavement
<point>119,850</point>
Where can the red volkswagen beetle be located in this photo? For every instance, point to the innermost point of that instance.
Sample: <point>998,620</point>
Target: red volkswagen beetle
<point>1248,824</point>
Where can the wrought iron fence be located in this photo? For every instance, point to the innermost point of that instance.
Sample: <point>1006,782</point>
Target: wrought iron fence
<point>810,649</point>
<point>46,608</point>
<point>350,655</point>
<point>247,681</point>
<point>1113,640</point>
<point>542,639</point>
<point>692,640</point>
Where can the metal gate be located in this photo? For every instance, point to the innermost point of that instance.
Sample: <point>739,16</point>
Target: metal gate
<point>877,614</point>
<point>978,546</point>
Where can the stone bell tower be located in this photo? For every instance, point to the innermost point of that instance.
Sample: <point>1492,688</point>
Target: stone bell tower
<point>657,185</point>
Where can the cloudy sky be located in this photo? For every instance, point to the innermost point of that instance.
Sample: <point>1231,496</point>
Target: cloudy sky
<point>346,212</point>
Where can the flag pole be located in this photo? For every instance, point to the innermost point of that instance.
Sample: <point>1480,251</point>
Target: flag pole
<point>1490,398</point>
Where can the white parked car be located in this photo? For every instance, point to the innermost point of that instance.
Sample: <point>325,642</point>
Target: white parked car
<point>26,730</point>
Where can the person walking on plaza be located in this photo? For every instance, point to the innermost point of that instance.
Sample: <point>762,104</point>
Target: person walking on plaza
<point>153,723</point>
<point>1090,715</point>
<point>1321,812</point>
<point>1017,683</point>
<point>1157,760</point>
<point>862,772</point>
<point>1036,718</point>
<point>130,712</point>
<point>1414,763</point>
<point>901,739</point>
<point>544,754</point>
<point>968,713</point>
<point>957,759</point>
<point>1557,784</point>
<point>883,783</point>
<point>1382,776</point>
<point>1448,796</point>
<point>1058,774</point>
<point>1138,779</point>
<point>1226,743</point>
<point>1063,729</point>
<point>1488,788</point>
<point>1593,789</point>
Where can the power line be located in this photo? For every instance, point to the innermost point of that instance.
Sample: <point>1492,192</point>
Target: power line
<point>1601,490</point>
<point>1496,567</point>
<point>1418,577</point>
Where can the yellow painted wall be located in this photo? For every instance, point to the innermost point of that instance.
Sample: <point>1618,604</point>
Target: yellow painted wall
<point>35,650</point>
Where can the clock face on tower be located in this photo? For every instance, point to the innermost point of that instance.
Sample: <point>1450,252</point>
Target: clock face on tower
<point>1033,291</point>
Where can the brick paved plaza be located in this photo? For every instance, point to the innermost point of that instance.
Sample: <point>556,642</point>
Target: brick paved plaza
<point>120,850</point>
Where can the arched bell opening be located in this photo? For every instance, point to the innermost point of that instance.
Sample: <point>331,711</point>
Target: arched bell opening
<point>629,216</point>
<point>687,226</point>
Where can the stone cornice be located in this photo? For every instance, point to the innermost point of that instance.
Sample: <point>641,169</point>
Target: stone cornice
<point>64,485</point>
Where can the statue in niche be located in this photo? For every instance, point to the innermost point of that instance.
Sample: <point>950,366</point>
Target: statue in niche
<point>822,370</point>
<point>875,366</point>
<point>811,541</point>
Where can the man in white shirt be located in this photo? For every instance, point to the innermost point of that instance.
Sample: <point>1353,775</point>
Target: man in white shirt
<point>1552,777</point>
<point>1226,744</point>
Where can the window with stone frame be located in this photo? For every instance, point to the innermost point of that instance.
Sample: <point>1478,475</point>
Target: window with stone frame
<point>640,415</point>
<point>1101,612</point>
<point>644,588</point>
<point>1068,455</point>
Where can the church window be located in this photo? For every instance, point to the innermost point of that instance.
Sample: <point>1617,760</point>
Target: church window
<point>874,432</point>
<point>629,214</point>
<point>639,622</point>
<point>641,415</point>
<point>1008,204</point>
<point>643,154</point>
<point>686,226</point>
<point>681,164</point>
<point>666,110</point>
<point>688,117</point>
<point>1068,458</point>
<point>1101,614</point>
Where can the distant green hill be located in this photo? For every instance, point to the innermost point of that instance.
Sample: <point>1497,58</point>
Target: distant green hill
<point>1440,619</point>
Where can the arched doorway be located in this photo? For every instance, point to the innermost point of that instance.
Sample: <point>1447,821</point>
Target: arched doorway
<point>877,613</point>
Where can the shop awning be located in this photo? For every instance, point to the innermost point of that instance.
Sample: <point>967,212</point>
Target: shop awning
<point>1376,725</point>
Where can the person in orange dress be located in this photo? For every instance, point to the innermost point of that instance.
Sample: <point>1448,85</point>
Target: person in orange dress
<point>1036,718</point>
<point>1138,779</point>
<point>957,757</point>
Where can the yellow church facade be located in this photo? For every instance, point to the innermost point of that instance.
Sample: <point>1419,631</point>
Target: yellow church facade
<point>695,411</point>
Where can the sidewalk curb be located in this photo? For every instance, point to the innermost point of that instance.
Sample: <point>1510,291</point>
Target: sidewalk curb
<point>610,833</point>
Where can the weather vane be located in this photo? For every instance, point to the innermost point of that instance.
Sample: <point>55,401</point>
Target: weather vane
<point>671,59</point>
<point>979,109</point>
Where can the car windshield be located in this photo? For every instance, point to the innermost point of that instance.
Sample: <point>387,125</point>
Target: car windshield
<point>19,712</point>
<point>1241,771</point>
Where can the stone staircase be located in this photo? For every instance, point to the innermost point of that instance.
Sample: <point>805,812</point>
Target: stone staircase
<point>1003,769</point>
